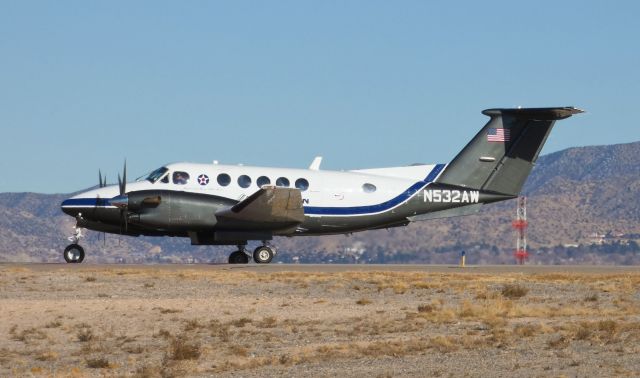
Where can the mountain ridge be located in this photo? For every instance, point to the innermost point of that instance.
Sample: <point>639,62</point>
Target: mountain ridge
<point>572,194</point>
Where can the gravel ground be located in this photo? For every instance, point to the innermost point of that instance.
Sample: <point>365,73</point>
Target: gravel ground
<point>186,321</point>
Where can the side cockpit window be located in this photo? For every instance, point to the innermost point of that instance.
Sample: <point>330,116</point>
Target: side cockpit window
<point>157,174</point>
<point>180,178</point>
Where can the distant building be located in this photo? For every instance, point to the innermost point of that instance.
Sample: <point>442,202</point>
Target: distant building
<point>596,238</point>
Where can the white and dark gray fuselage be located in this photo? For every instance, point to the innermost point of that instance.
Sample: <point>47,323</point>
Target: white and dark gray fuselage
<point>333,201</point>
<point>231,204</point>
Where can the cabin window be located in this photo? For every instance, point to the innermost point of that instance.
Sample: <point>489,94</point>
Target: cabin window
<point>282,182</point>
<point>262,181</point>
<point>180,178</point>
<point>244,181</point>
<point>224,179</point>
<point>302,184</point>
<point>368,188</point>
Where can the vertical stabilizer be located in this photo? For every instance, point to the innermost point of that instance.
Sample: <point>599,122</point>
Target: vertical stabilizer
<point>500,157</point>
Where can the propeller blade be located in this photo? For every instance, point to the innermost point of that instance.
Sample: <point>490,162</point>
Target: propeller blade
<point>123,221</point>
<point>95,207</point>
<point>102,181</point>
<point>123,190</point>
<point>122,201</point>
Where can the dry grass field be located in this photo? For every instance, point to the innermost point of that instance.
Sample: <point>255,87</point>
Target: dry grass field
<point>111,321</point>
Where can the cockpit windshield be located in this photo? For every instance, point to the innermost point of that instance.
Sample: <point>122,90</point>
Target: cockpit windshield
<point>157,174</point>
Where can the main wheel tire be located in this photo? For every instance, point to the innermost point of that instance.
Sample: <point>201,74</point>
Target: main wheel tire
<point>263,255</point>
<point>73,254</point>
<point>238,257</point>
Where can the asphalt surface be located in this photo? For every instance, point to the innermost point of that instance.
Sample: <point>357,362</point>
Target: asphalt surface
<point>337,268</point>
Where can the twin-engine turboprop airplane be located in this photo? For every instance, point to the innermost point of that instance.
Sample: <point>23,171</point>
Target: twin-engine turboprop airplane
<point>214,204</point>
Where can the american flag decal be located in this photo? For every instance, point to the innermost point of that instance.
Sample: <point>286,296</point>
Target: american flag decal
<point>498,135</point>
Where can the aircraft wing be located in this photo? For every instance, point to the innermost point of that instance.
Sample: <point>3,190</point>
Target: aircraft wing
<point>270,208</point>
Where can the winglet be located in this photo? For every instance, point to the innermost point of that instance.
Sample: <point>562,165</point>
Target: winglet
<point>315,164</point>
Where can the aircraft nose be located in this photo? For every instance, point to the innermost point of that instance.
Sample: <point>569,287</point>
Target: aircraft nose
<point>68,207</point>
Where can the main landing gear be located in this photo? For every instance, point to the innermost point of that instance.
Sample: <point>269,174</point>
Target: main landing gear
<point>261,255</point>
<point>74,253</point>
<point>239,256</point>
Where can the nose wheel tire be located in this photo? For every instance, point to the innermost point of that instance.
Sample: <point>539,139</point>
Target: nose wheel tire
<point>73,254</point>
<point>263,255</point>
<point>238,257</point>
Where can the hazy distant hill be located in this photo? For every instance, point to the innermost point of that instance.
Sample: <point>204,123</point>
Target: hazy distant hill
<point>575,196</point>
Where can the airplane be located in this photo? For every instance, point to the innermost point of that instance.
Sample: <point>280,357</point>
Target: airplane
<point>215,204</point>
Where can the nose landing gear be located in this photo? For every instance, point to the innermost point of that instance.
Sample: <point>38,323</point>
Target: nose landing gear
<point>74,253</point>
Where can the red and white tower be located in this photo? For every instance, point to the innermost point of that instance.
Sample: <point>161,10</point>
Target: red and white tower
<point>520,225</point>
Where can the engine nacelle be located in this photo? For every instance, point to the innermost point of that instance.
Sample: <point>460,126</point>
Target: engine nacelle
<point>171,210</point>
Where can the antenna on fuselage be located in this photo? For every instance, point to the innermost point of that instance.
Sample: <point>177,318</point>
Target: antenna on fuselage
<point>315,164</point>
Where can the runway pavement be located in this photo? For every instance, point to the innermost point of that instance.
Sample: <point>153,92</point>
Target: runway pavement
<point>337,268</point>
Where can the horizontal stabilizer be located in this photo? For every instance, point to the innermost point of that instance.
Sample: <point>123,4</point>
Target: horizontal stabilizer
<point>270,208</point>
<point>540,114</point>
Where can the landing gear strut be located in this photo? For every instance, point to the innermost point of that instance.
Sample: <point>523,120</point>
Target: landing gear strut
<point>74,253</point>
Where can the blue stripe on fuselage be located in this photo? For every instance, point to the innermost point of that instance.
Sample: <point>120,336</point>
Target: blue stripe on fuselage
<point>434,173</point>
<point>86,202</point>
<point>377,208</point>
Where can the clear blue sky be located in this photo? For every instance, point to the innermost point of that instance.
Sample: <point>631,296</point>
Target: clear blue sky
<point>364,83</point>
